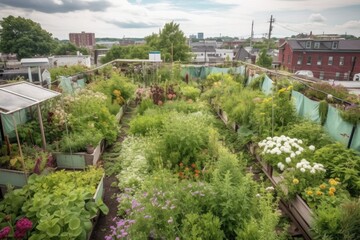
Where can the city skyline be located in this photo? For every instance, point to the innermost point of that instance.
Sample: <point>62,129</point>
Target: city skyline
<point>140,18</point>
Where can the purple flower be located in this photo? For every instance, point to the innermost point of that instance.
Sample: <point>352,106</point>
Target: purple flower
<point>4,232</point>
<point>134,204</point>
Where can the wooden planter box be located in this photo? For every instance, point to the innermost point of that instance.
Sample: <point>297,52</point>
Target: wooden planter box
<point>79,160</point>
<point>13,177</point>
<point>99,194</point>
<point>302,213</point>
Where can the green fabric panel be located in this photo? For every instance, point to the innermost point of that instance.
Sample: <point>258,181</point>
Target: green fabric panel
<point>81,83</point>
<point>219,70</point>
<point>267,85</point>
<point>299,102</point>
<point>7,120</point>
<point>337,127</point>
<point>311,110</point>
<point>65,85</point>
<point>355,144</point>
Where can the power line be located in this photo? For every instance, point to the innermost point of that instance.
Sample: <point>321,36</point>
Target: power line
<point>287,28</point>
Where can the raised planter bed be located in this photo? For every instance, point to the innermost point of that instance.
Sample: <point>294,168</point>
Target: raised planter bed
<point>302,213</point>
<point>13,177</point>
<point>99,194</point>
<point>79,160</point>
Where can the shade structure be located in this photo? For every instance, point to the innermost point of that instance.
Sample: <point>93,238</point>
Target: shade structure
<point>17,96</point>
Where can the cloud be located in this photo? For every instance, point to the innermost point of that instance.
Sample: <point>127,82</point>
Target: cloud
<point>317,18</point>
<point>57,6</point>
<point>132,24</point>
<point>353,24</point>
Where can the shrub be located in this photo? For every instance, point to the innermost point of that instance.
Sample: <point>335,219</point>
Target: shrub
<point>190,92</point>
<point>321,90</point>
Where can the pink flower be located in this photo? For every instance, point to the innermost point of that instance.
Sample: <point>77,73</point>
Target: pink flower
<point>4,232</point>
<point>23,224</point>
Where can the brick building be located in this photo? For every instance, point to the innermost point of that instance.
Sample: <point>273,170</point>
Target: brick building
<point>83,39</point>
<point>328,59</point>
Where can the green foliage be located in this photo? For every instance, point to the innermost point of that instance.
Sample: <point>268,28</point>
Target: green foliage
<point>264,60</point>
<point>190,92</point>
<point>69,49</point>
<point>205,226</point>
<point>323,111</point>
<point>311,133</point>
<point>257,82</point>
<point>351,114</point>
<point>66,71</point>
<point>337,222</point>
<point>171,41</point>
<point>143,124</point>
<point>321,90</point>
<point>144,105</point>
<point>59,204</point>
<point>127,52</point>
<point>24,37</point>
<point>274,113</point>
<point>78,141</point>
<point>342,163</point>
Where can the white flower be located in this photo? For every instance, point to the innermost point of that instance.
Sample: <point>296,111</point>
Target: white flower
<point>302,169</point>
<point>312,171</point>
<point>300,141</point>
<point>268,138</point>
<point>258,195</point>
<point>312,148</point>
<point>281,166</point>
<point>299,165</point>
<point>269,189</point>
<point>288,160</point>
<point>292,155</point>
<point>297,152</point>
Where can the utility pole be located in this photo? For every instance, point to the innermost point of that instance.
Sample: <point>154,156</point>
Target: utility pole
<point>252,33</point>
<point>272,20</point>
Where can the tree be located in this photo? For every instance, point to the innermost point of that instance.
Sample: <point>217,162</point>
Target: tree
<point>69,49</point>
<point>127,52</point>
<point>171,41</point>
<point>24,37</point>
<point>264,59</point>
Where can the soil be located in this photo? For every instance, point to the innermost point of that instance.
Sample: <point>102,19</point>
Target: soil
<point>102,227</point>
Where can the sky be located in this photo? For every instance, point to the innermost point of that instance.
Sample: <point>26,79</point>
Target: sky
<point>140,18</point>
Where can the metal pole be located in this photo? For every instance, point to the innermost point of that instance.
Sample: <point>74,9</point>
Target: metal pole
<point>41,127</point>
<point>18,142</point>
<point>29,74</point>
<point>40,78</point>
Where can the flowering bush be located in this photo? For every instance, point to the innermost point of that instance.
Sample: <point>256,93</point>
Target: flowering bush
<point>19,231</point>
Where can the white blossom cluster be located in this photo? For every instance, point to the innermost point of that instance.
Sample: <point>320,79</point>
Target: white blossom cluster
<point>305,165</point>
<point>290,148</point>
<point>282,144</point>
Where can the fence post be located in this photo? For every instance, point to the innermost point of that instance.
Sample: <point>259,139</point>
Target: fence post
<point>352,135</point>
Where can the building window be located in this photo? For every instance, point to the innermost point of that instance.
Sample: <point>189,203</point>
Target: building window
<point>308,61</point>
<point>319,60</point>
<point>337,76</point>
<point>341,61</point>
<point>335,45</point>
<point>346,76</point>
<point>317,45</point>
<point>299,61</point>
<point>308,44</point>
<point>321,75</point>
<point>289,59</point>
<point>330,61</point>
<point>352,59</point>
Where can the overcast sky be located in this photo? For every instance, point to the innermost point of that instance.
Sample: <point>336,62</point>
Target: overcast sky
<point>139,18</point>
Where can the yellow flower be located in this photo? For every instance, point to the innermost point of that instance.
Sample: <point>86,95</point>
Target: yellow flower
<point>295,181</point>
<point>282,90</point>
<point>323,186</point>
<point>319,193</point>
<point>332,189</point>
<point>309,192</point>
<point>289,88</point>
<point>333,182</point>
<point>331,193</point>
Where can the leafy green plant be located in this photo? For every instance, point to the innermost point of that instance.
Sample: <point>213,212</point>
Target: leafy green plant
<point>341,163</point>
<point>78,141</point>
<point>257,82</point>
<point>190,92</point>
<point>321,90</point>
<point>60,204</point>
<point>323,111</point>
<point>351,114</point>
<point>205,226</point>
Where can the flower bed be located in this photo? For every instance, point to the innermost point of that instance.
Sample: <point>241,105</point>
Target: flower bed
<point>61,204</point>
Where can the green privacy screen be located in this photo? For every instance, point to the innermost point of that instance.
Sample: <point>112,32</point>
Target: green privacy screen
<point>337,127</point>
<point>267,85</point>
<point>306,107</point>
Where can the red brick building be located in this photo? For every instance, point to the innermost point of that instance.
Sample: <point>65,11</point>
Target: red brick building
<point>83,39</point>
<point>327,59</point>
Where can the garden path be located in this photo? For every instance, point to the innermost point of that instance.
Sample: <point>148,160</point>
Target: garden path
<point>102,227</point>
